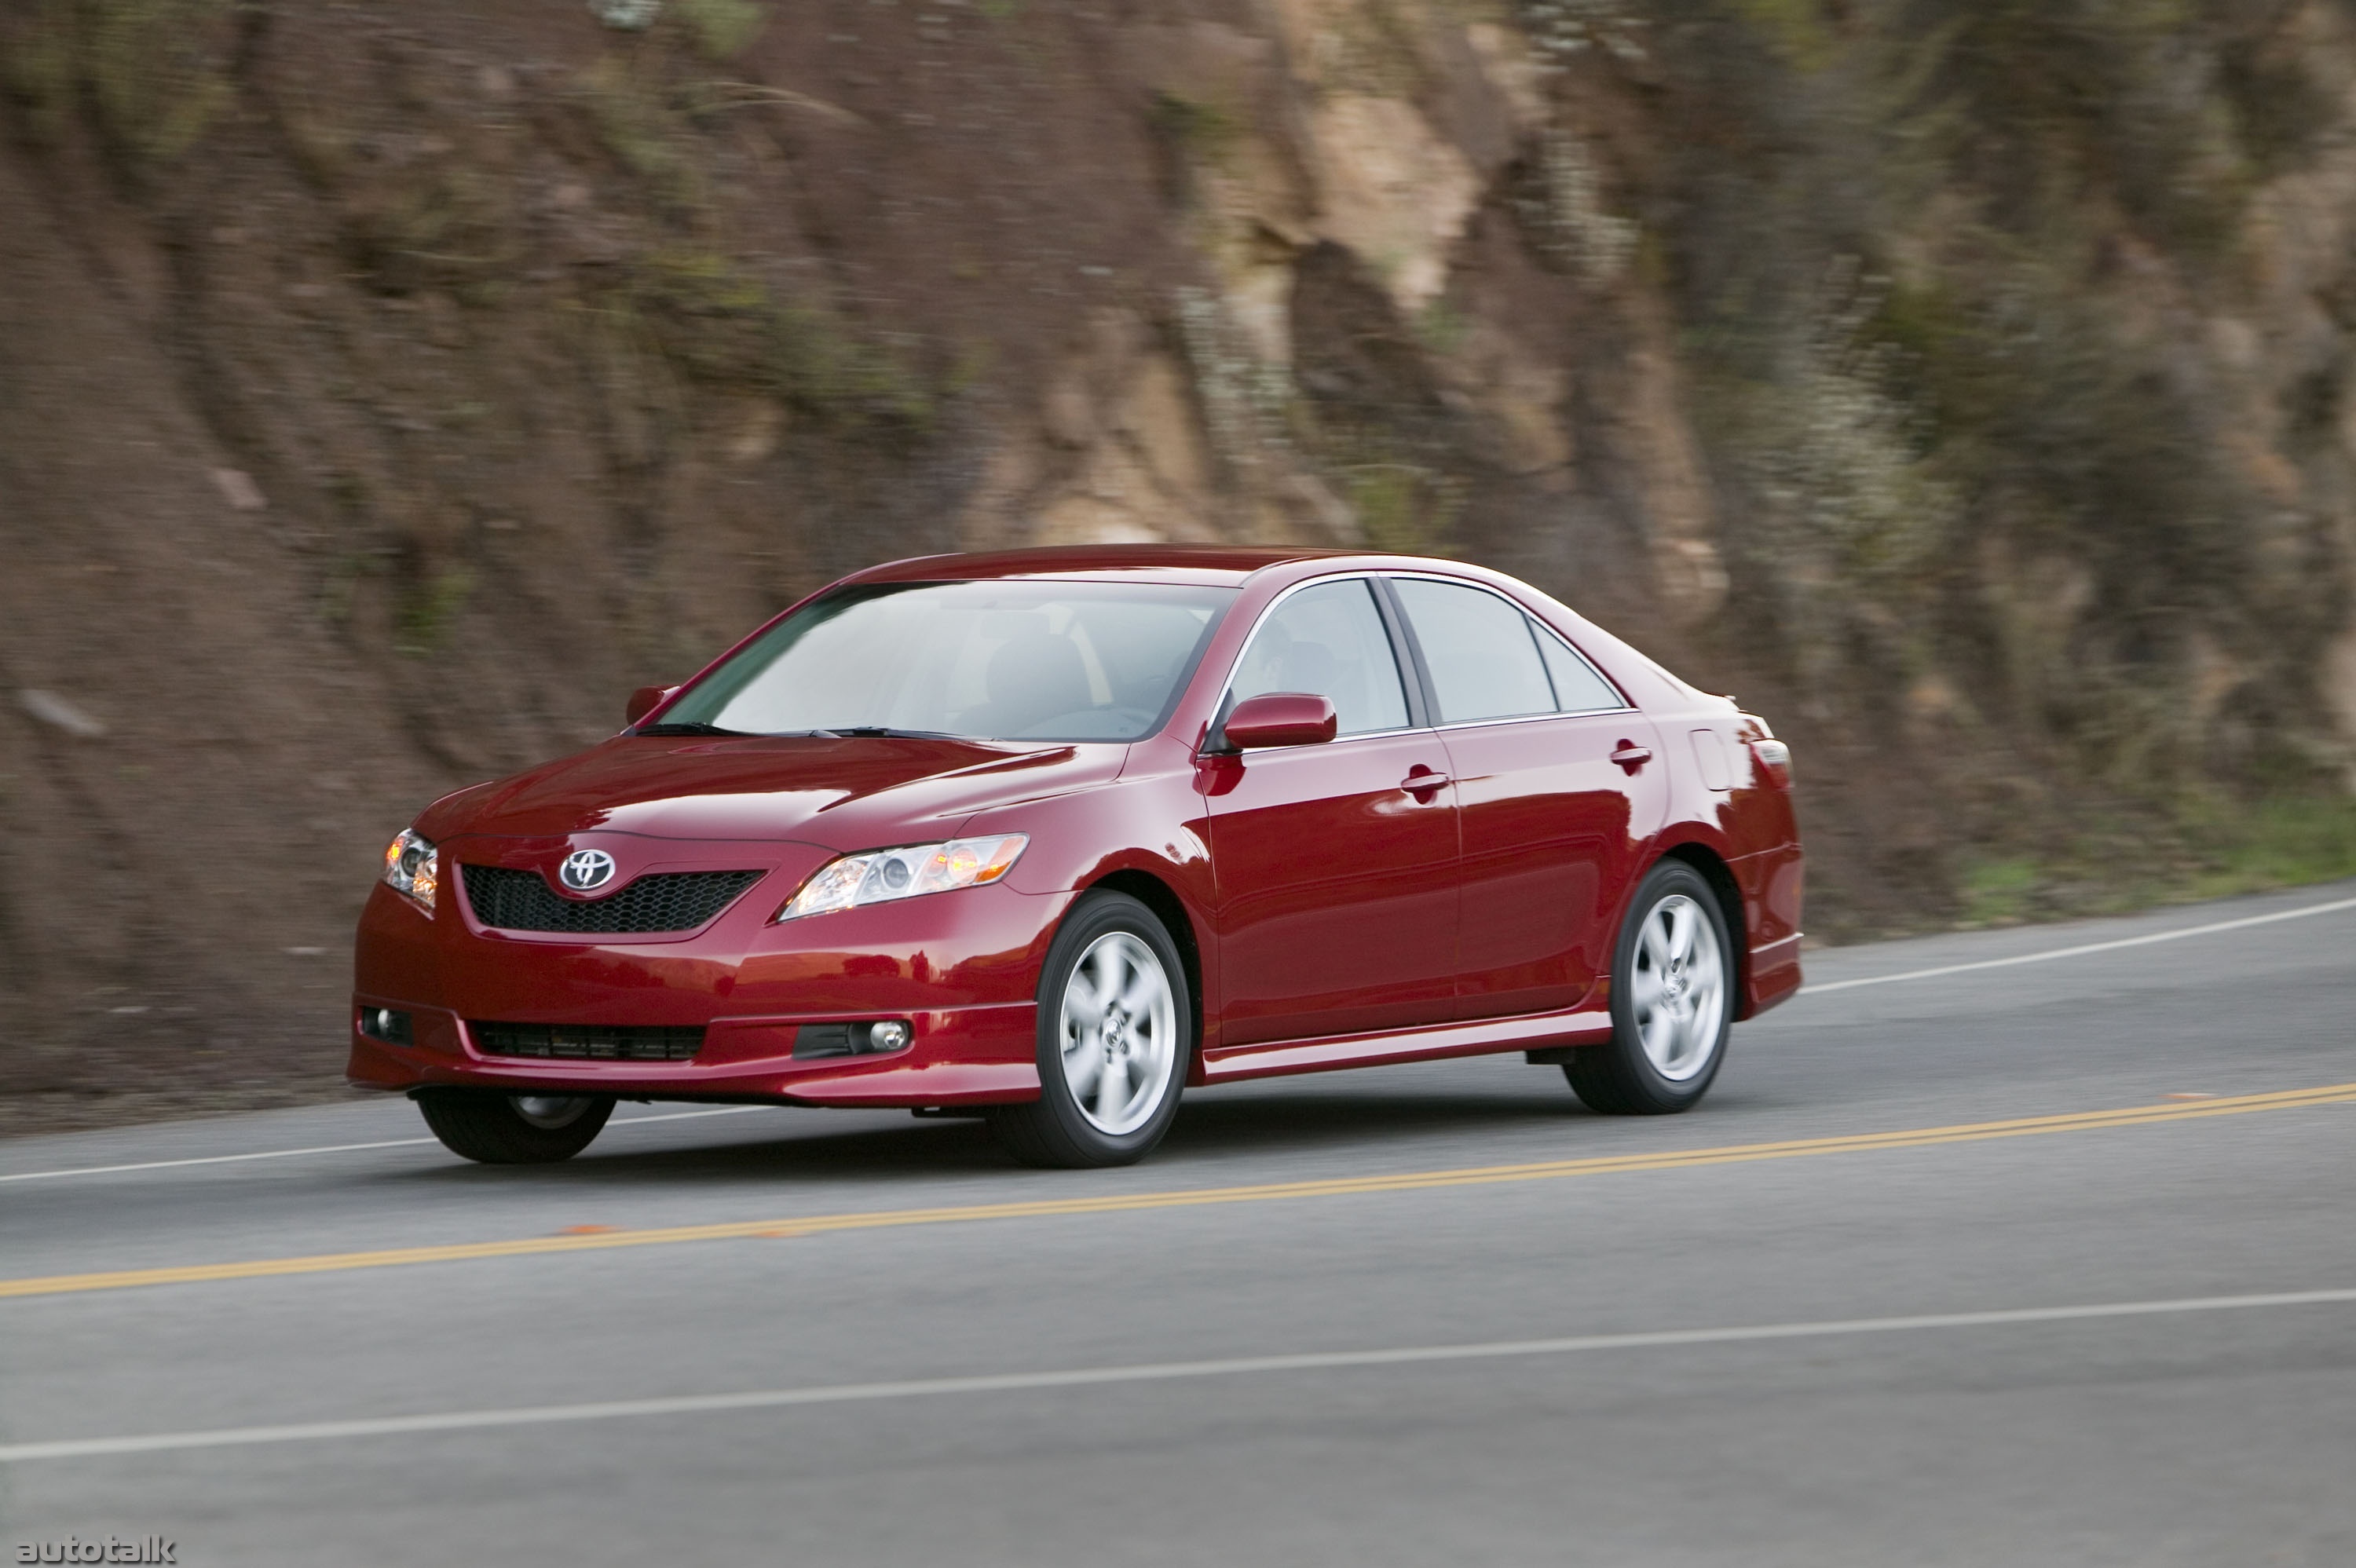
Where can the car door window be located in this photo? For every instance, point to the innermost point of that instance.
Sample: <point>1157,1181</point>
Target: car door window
<point>1328,640</point>
<point>1576,687</point>
<point>1482,656</point>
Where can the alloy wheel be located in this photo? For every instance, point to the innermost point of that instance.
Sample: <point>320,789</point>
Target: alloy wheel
<point>1678,989</point>
<point>1119,1033</point>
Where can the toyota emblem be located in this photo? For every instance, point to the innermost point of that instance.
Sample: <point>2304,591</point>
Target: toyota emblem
<point>586,870</point>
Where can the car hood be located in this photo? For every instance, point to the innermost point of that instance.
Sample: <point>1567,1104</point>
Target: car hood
<point>850,793</point>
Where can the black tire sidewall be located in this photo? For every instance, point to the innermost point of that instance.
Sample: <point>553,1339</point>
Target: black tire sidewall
<point>483,1124</point>
<point>1099,914</point>
<point>1669,877</point>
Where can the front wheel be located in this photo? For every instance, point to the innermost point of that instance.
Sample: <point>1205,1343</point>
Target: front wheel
<point>1115,1028</point>
<point>1672,1001</point>
<point>514,1129</point>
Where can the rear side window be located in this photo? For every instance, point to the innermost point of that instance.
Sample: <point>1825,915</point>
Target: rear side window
<point>1329,640</point>
<point>1482,657</point>
<point>1576,687</point>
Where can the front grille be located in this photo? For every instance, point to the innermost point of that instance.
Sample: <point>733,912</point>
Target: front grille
<point>587,1043</point>
<point>668,901</point>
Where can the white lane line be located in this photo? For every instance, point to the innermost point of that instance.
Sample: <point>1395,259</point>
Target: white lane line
<point>1163,1371</point>
<point>2079,952</point>
<point>691,1116</point>
<point>209,1160</point>
<point>335,1148</point>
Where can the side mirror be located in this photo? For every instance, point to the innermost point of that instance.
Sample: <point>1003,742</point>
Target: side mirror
<point>1280,718</point>
<point>644,700</point>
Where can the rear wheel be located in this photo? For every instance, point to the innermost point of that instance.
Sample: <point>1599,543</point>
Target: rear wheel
<point>1672,1001</point>
<point>1115,1026</point>
<point>514,1129</point>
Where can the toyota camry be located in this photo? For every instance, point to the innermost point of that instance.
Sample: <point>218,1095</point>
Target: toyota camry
<point>1052,835</point>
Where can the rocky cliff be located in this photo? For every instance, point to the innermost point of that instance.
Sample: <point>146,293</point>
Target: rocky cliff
<point>386,389</point>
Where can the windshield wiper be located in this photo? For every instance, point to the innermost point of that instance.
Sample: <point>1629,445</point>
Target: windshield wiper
<point>880,732</point>
<point>686,728</point>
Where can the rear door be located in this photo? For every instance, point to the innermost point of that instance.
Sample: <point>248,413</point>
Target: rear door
<point>1336,873</point>
<point>1559,787</point>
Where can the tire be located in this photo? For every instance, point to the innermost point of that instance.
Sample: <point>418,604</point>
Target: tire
<point>1673,979</point>
<point>514,1129</point>
<point>1116,1031</point>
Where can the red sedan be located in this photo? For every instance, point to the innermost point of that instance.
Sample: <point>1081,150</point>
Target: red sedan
<point>1053,834</point>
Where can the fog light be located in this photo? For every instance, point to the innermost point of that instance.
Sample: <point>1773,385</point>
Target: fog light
<point>385,1024</point>
<point>850,1040</point>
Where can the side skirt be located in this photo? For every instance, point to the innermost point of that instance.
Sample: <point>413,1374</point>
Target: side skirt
<point>1588,1024</point>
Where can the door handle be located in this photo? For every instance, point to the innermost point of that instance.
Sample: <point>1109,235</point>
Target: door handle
<point>1631,756</point>
<point>1419,783</point>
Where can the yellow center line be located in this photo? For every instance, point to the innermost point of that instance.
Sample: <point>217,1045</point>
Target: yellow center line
<point>1338,1186</point>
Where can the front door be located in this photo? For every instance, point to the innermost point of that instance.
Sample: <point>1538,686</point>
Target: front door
<point>1554,827</point>
<point>1336,874</point>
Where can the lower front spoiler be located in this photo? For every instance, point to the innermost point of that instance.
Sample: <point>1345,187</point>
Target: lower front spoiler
<point>963,1056</point>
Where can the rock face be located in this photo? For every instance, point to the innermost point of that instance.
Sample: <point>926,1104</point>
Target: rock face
<point>385,391</point>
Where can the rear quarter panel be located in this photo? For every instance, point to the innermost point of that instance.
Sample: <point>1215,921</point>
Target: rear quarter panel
<point>1719,800</point>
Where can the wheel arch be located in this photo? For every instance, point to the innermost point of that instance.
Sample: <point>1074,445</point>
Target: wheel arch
<point>1715,871</point>
<point>1170,911</point>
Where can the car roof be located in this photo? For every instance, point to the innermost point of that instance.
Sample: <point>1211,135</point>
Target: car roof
<point>1220,564</point>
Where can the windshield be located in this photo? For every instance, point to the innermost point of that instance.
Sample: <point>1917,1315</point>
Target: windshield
<point>994,660</point>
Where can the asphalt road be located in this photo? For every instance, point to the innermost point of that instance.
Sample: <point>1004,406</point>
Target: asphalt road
<point>1885,1366</point>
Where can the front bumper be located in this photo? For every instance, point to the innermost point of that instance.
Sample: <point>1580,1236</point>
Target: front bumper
<point>963,1056</point>
<point>961,967</point>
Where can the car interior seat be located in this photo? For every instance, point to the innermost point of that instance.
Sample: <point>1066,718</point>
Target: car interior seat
<point>1314,668</point>
<point>1031,678</point>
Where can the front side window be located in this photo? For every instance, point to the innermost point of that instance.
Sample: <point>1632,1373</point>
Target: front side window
<point>989,660</point>
<point>1479,650</point>
<point>1328,640</point>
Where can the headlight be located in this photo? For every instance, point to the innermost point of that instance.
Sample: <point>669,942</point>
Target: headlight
<point>880,876</point>
<point>413,867</point>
